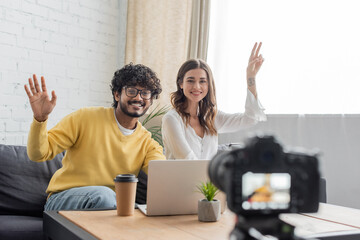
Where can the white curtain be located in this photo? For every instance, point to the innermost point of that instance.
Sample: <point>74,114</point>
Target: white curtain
<point>311,70</point>
<point>311,50</point>
<point>158,37</point>
<point>199,33</point>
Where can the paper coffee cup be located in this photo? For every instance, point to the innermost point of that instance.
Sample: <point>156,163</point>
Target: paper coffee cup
<point>125,188</point>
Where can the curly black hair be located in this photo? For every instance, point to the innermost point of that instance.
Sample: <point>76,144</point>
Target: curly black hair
<point>132,75</point>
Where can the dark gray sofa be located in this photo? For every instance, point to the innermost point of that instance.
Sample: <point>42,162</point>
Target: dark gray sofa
<point>22,192</point>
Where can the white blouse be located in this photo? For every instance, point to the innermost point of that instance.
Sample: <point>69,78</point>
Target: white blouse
<point>181,142</point>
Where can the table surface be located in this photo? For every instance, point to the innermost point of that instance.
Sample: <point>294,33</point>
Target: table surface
<point>107,225</point>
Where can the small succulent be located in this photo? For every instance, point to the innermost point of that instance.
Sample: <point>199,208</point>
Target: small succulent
<point>208,189</point>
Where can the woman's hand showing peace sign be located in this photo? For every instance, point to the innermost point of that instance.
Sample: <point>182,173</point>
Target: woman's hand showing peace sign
<point>254,65</point>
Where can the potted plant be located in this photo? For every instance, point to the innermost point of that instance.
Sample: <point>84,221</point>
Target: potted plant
<point>209,209</point>
<point>155,130</point>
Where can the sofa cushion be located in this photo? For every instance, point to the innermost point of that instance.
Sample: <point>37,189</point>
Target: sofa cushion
<point>21,227</point>
<point>23,182</point>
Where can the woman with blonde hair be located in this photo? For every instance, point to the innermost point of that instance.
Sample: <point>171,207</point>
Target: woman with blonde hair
<point>190,130</point>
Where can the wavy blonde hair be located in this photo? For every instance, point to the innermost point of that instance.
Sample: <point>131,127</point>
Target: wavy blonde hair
<point>207,106</point>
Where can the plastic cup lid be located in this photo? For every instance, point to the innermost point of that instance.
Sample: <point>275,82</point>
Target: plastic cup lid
<point>126,178</point>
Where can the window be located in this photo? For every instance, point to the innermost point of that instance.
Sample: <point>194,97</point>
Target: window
<point>311,50</point>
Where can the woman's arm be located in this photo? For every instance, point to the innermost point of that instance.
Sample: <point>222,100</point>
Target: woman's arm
<point>254,113</point>
<point>254,65</point>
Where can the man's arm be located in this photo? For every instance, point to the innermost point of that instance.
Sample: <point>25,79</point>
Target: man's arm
<point>42,106</point>
<point>155,152</point>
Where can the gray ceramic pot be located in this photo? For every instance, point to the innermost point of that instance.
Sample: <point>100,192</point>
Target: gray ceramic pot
<point>209,211</point>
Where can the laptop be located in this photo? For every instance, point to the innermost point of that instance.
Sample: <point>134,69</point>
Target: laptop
<point>171,188</point>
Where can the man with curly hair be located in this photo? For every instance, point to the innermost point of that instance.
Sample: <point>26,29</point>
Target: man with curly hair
<point>99,142</point>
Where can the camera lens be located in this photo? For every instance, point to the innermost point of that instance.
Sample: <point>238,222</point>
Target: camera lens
<point>218,168</point>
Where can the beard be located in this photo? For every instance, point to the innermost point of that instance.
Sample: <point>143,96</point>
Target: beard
<point>123,108</point>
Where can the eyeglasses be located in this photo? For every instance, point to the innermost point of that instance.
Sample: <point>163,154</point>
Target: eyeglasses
<point>133,92</point>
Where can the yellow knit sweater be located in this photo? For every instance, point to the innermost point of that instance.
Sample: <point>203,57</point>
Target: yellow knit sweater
<point>96,150</point>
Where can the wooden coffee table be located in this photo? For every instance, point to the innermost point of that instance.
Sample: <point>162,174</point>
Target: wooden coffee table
<point>330,221</point>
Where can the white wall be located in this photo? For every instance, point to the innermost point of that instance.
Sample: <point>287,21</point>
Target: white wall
<point>73,43</point>
<point>336,136</point>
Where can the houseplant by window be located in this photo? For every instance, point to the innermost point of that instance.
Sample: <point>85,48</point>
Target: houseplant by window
<point>209,209</point>
<point>155,130</point>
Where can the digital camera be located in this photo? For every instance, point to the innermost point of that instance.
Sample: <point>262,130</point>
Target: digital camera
<point>261,179</point>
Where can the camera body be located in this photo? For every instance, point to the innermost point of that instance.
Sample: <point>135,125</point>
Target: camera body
<point>261,179</point>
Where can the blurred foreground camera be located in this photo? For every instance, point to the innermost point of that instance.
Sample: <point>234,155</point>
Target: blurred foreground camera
<point>261,181</point>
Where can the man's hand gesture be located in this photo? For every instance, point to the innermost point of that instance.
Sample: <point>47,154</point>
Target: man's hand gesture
<point>40,102</point>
